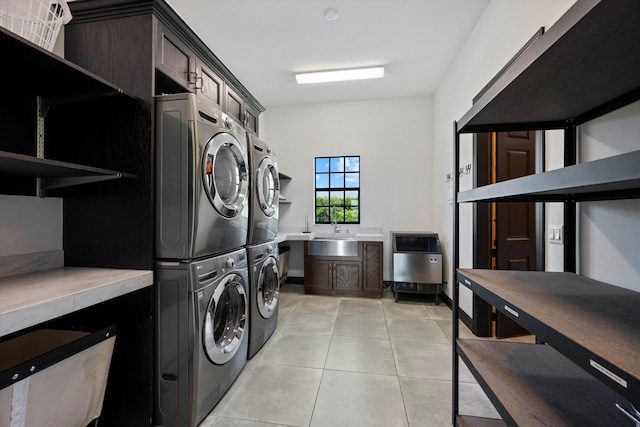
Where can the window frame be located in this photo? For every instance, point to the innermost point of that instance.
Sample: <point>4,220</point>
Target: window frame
<point>341,210</point>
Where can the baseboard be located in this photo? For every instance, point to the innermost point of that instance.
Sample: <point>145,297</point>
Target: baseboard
<point>293,280</point>
<point>466,319</point>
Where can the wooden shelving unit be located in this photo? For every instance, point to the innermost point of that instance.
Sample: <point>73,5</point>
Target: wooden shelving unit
<point>54,81</point>
<point>53,173</point>
<point>63,126</point>
<point>39,72</point>
<point>587,366</point>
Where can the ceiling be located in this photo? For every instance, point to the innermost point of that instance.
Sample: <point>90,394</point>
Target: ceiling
<point>265,42</point>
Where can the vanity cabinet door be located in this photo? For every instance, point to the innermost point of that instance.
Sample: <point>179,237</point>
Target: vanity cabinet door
<point>347,276</point>
<point>372,267</point>
<point>318,276</point>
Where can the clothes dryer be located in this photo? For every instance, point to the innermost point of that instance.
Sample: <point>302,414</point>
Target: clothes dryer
<point>264,293</point>
<point>202,335</point>
<point>202,179</point>
<point>265,192</point>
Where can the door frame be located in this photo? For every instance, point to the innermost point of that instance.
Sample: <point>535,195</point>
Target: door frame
<point>482,318</point>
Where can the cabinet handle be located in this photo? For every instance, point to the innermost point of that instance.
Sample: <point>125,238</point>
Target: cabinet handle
<point>195,80</point>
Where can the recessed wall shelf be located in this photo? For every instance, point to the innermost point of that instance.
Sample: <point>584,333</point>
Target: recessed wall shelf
<point>282,200</point>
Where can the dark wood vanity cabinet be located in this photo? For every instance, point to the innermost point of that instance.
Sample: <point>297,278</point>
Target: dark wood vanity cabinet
<point>348,276</point>
<point>372,268</point>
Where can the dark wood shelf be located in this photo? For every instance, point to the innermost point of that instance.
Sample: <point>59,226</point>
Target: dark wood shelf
<point>592,323</point>
<point>55,174</point>
<point>39,72</point>
<point>533,384</point>
<point>616,177</point>
<point>585,65</point>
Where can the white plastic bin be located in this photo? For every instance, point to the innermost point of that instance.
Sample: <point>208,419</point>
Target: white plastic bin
<point>54,378</point>
<point>38,21</point>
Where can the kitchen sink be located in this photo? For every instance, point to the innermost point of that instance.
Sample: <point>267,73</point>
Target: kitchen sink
<point>335,236</point>
<point>334,247</point>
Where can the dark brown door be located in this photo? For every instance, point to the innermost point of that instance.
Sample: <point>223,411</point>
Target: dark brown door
<point>504,235</point>
<point>515,231</point>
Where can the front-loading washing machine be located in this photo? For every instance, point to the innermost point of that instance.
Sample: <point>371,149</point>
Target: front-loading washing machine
<point>202,334</point>
<point>265,192</point>
<point>202,179</point>
<point>264,293</point>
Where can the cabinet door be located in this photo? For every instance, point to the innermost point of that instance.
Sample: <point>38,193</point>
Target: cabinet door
<point>372,266</point>
<point>174,59</point>
<point>234,105</point>
<point>347,276</point>
<point>251,119</point>
<point>318,276</point>
<point>209,84</point>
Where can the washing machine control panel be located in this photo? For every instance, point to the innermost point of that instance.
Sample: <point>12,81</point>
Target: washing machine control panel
<point>230,263</point>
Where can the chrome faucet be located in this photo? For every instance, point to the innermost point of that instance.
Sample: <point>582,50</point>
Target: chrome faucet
<point>334,220</point>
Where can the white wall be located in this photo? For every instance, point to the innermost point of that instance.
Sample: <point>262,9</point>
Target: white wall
<point>502,30</point>
<point>610,231</point>
<point>393,140</point>
<point>29,225</point>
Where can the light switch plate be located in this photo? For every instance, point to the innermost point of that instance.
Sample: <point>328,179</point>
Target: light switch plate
<point>556,234</point>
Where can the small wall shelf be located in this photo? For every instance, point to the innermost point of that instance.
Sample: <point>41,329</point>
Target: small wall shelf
<point>286,178</point>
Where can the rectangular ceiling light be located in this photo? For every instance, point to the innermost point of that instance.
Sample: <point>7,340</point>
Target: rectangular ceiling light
<point>340,75</point>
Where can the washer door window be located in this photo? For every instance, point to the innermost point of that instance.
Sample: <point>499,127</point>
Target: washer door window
<point>268,187</point>
<point>268,288</point>
<point>225,320</point>
<point>225,175</point>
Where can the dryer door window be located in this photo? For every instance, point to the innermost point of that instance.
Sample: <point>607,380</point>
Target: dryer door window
<point>225,175</point>
<point>225,320</point>
<point>268,288</point>
<point>268,187</point>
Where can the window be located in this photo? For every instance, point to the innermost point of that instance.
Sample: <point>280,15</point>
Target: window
<point>337,194</point>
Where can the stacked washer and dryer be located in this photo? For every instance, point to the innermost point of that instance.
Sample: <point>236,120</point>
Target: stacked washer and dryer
<point>209,293</point>
<point>202,286</point>
<point>262,249</point>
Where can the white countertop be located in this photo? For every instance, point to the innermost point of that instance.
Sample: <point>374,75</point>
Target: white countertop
<point>29,299</point>
<point>366,235</point>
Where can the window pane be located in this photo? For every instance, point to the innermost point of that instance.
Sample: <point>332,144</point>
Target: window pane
<point>352,215</point>
<point>352,198</point>
<point>322,215</point>
<point>337,198</point>
<point>322,198</point>
<point>352,164</point>
<point>352,180</point>
<point>337,180</point>
<point>322,164</point>
<point>322,180</point>
<point>337,164</point>
<point>339,212</point>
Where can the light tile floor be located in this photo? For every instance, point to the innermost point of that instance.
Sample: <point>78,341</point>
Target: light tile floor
<point>352,362</point>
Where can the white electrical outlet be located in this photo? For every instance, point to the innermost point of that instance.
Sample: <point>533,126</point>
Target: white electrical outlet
<point>555,234</point>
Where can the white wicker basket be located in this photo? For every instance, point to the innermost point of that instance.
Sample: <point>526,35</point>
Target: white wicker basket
<point>38,21</point>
